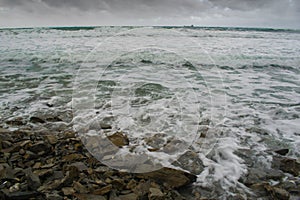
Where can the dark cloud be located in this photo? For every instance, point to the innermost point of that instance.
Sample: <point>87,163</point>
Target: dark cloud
<point>156,12</point>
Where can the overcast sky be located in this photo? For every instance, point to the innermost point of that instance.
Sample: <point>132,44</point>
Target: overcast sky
<point>243,13</point>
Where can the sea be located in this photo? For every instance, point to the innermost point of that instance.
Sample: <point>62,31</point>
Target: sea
<point>229,95</point>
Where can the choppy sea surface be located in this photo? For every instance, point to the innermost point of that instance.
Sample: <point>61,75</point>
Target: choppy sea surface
<point>220,91</point>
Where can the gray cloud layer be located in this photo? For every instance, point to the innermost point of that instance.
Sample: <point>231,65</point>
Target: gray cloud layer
<point>268,13</point>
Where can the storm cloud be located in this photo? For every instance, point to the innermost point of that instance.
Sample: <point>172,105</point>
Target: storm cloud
<point>257,13</point>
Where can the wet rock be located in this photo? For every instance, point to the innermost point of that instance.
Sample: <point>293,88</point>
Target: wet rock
<point>40,147</point>
<point>156,142</point>
<point>191,162</point>
<point>72,157</point>
<point>80,166</point>
<point>89,197</point>
<point>277,193</point>
<point>119,139</point>
<point>80,188</point>
<point>142,189</point>
<point>105,125</point>
<point>69,134</point>
<point>18,121</point>
<point>6,144</point>
<point>103,190</point>
<point>30,156</point>
<point>32,179</point>
<point>52,139</point>
<point>68,191</point>
<point>7,173</point>
<point>57,175</point>
<point>36,120</point>
<point>172,177</point>
<point>71,175</point>
<point>282,152</point>
<point>288,165</point>
<point>14,188</point>
<point>21,195</point>
<point>130,196</point>
<point>131,184</point>
<point>42,173</point>
<point>53,196</point>
<point>155,194</point>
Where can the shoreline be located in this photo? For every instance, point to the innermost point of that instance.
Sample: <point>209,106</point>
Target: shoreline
<point>56,165</point>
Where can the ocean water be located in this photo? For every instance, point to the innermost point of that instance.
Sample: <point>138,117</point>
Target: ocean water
<point>239,88</point>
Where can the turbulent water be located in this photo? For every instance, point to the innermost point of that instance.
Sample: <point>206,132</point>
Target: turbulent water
<point>237,88</point>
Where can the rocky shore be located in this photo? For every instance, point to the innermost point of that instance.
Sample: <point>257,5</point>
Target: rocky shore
<point>56,165</point>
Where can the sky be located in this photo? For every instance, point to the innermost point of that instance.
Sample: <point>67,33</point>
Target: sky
<point>234,13</point>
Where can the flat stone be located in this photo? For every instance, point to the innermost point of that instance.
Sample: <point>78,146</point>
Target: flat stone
<point>103,190</point>
<point>80,166</point>
<point>40,147</point>
<point>36,120</point>
<point>33,180</point>
<point>69,134</point>
<point>20,195</point>
<point>155,194</point>
<point>172,177</point>
<point>52,139</point>
<point>130,196</point>
<point>43,172</point>
<point>68,191</point>
<point>53,196</point>
<point>72,157</point>
<point>119,139</point>
<point>80,188</point>
<point>89,197</point>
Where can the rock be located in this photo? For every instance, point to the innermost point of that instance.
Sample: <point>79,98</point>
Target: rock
<point>42,173</point>
<point>142,189</point>
<point>40,147</point>
<point>131,184</point>
<point>14,188</point>
<point>72,157</point>
<point>7,173</point>
<point>52,139</point>
<point>277,193</point>
<point>130,196</point>
<point>53,196</point>
<point>156,142</point>
<point>191,162</point>
<point>288,165</point>
<point>71,175</point>
<point>68,191</point>
<point>105,124</point>
<point>80,166</point>
<point>282,152</point>
<point>103,190</point>
<point>30,156</point>
<point>89,197</point>
<point>80,188</point>
<point>119,139</point>
<point>172,177</point>
<point>69,134</point>
<point>57,175</point>
<point>32,179</point>
<point>18,121</point>
<point>6,144</point>
<point>155,194</point>
<point>21,195</point>
<point>36,120</point>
